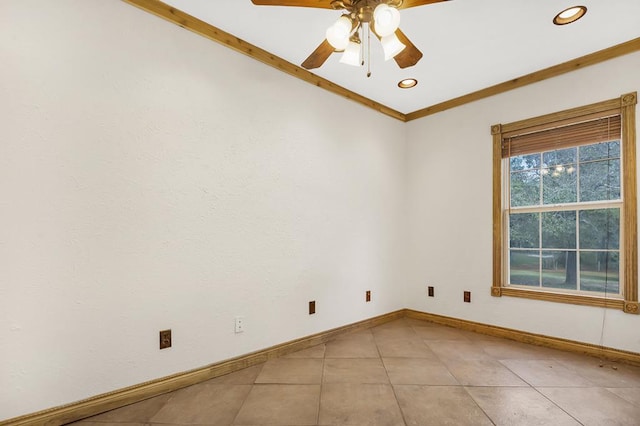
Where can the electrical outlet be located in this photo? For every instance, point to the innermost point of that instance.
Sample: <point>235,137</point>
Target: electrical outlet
<point>312,307</point>
<point>367,296</point>
<point>430,291</point>
<point>165,339</point>
<point>467,296</point>
<point>239,324</point>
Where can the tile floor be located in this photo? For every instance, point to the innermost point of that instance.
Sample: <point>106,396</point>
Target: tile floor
<point>405,372</point>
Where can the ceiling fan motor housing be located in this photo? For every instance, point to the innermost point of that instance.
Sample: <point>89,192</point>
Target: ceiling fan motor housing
<point>362,10</point>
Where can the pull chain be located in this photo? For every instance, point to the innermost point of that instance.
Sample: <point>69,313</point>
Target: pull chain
<point>368,51</point>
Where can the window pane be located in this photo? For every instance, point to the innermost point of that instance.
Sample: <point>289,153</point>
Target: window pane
<point>600,271</point>
<point>559,230</point>
<point>524,267</point>
<point>525,162</point>
<point>559,157</point>
<point>600,151</point>
<point>600,229</point>
<point>525,188</point>
<point>559,184</point>
<point>600,180</point>
<point>559,269</point>
<point>524,230</point>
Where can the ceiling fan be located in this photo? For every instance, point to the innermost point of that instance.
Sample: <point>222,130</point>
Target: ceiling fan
<point>380,16</point>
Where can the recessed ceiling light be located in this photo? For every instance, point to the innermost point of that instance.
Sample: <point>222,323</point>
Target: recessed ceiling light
<point>570,15</point>
<point>407,83</point>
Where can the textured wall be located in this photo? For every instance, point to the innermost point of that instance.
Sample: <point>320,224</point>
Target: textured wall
<point>450,209</point>
<point>151,179</point>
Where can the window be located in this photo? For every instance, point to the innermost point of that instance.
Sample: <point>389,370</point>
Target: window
<point>564,206</point>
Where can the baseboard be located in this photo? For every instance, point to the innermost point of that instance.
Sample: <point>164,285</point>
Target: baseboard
<point>609,354</point>
<point>119,398</point>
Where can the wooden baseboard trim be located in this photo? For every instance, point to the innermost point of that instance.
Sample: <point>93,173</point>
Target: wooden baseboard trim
<point>610,354</point>
<point>119,398</point>
<point>99,404</point>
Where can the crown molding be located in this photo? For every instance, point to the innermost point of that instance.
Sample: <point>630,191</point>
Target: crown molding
<point>204,29</point>
<point>534,77</point>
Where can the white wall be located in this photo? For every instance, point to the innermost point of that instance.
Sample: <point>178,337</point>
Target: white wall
<point>152,179</point>
<point>450,209</point>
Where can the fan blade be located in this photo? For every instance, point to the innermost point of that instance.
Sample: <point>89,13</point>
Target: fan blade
<point>321,4</point>
<point>413,3</point>
<point>319,56</point>
<point>410,55</point>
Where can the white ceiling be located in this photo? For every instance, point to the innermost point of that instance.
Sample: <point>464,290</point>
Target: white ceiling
<point>467,44</point>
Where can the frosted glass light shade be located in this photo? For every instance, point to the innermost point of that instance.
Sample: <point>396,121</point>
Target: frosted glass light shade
<point>351,55</point>
<point>338,34</point>
<point>386,19</point>
<point>391,46</point>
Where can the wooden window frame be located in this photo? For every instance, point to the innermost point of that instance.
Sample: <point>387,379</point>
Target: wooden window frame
<point>625,105</point>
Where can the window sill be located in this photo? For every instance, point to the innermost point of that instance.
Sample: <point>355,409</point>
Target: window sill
<point>575,299</point>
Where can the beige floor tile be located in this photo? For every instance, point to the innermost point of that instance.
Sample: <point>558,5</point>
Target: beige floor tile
<point>399,323</point>
<point>246,376</point>
<point>550,372</point>
<point>280,405</point>
<point>405,348</point>
<point>520,406</point>
<point>359,405</point>
<point>312,352</point>
<point>395,333</point>
<point>609,375</point>
<point>439,332</point>
<point>480,337</point>
<point>439,406</point>
<point>427,364</point>
<point>418,371</point>
<point>362,335</point>
<point>417,323</point>
<point>139,412</point>
<point>457,350</point>
<point>631,395</point>
<point>90,423</point>
<point>203,404</point>
<point>483,372</point>
<point>574,356</point>
<point>594,406</point>
<point>291,371</point>
<point>507,349</point>
<point>354,370</point>
<point>355,348</point>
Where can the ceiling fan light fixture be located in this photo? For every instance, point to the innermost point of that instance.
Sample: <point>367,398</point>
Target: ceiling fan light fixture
<point>569,15</point>
<point>386,19</point>
<point>391,46</point>
<point>338,33</point>
<point>351,55</point>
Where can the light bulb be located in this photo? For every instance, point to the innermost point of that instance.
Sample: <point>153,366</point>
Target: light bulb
<point>386,20</point>
<point>351,55</point>
<point>569,15</point>
<point>338,33</point>
<point>391,46</point>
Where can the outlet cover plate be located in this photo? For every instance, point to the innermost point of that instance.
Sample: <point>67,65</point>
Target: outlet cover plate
<point>368,296</point>
<point>312,307</point>
<point>165,339</point>
<point>430,291</point>
<point>467,296</point>
<point>239,328</point>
